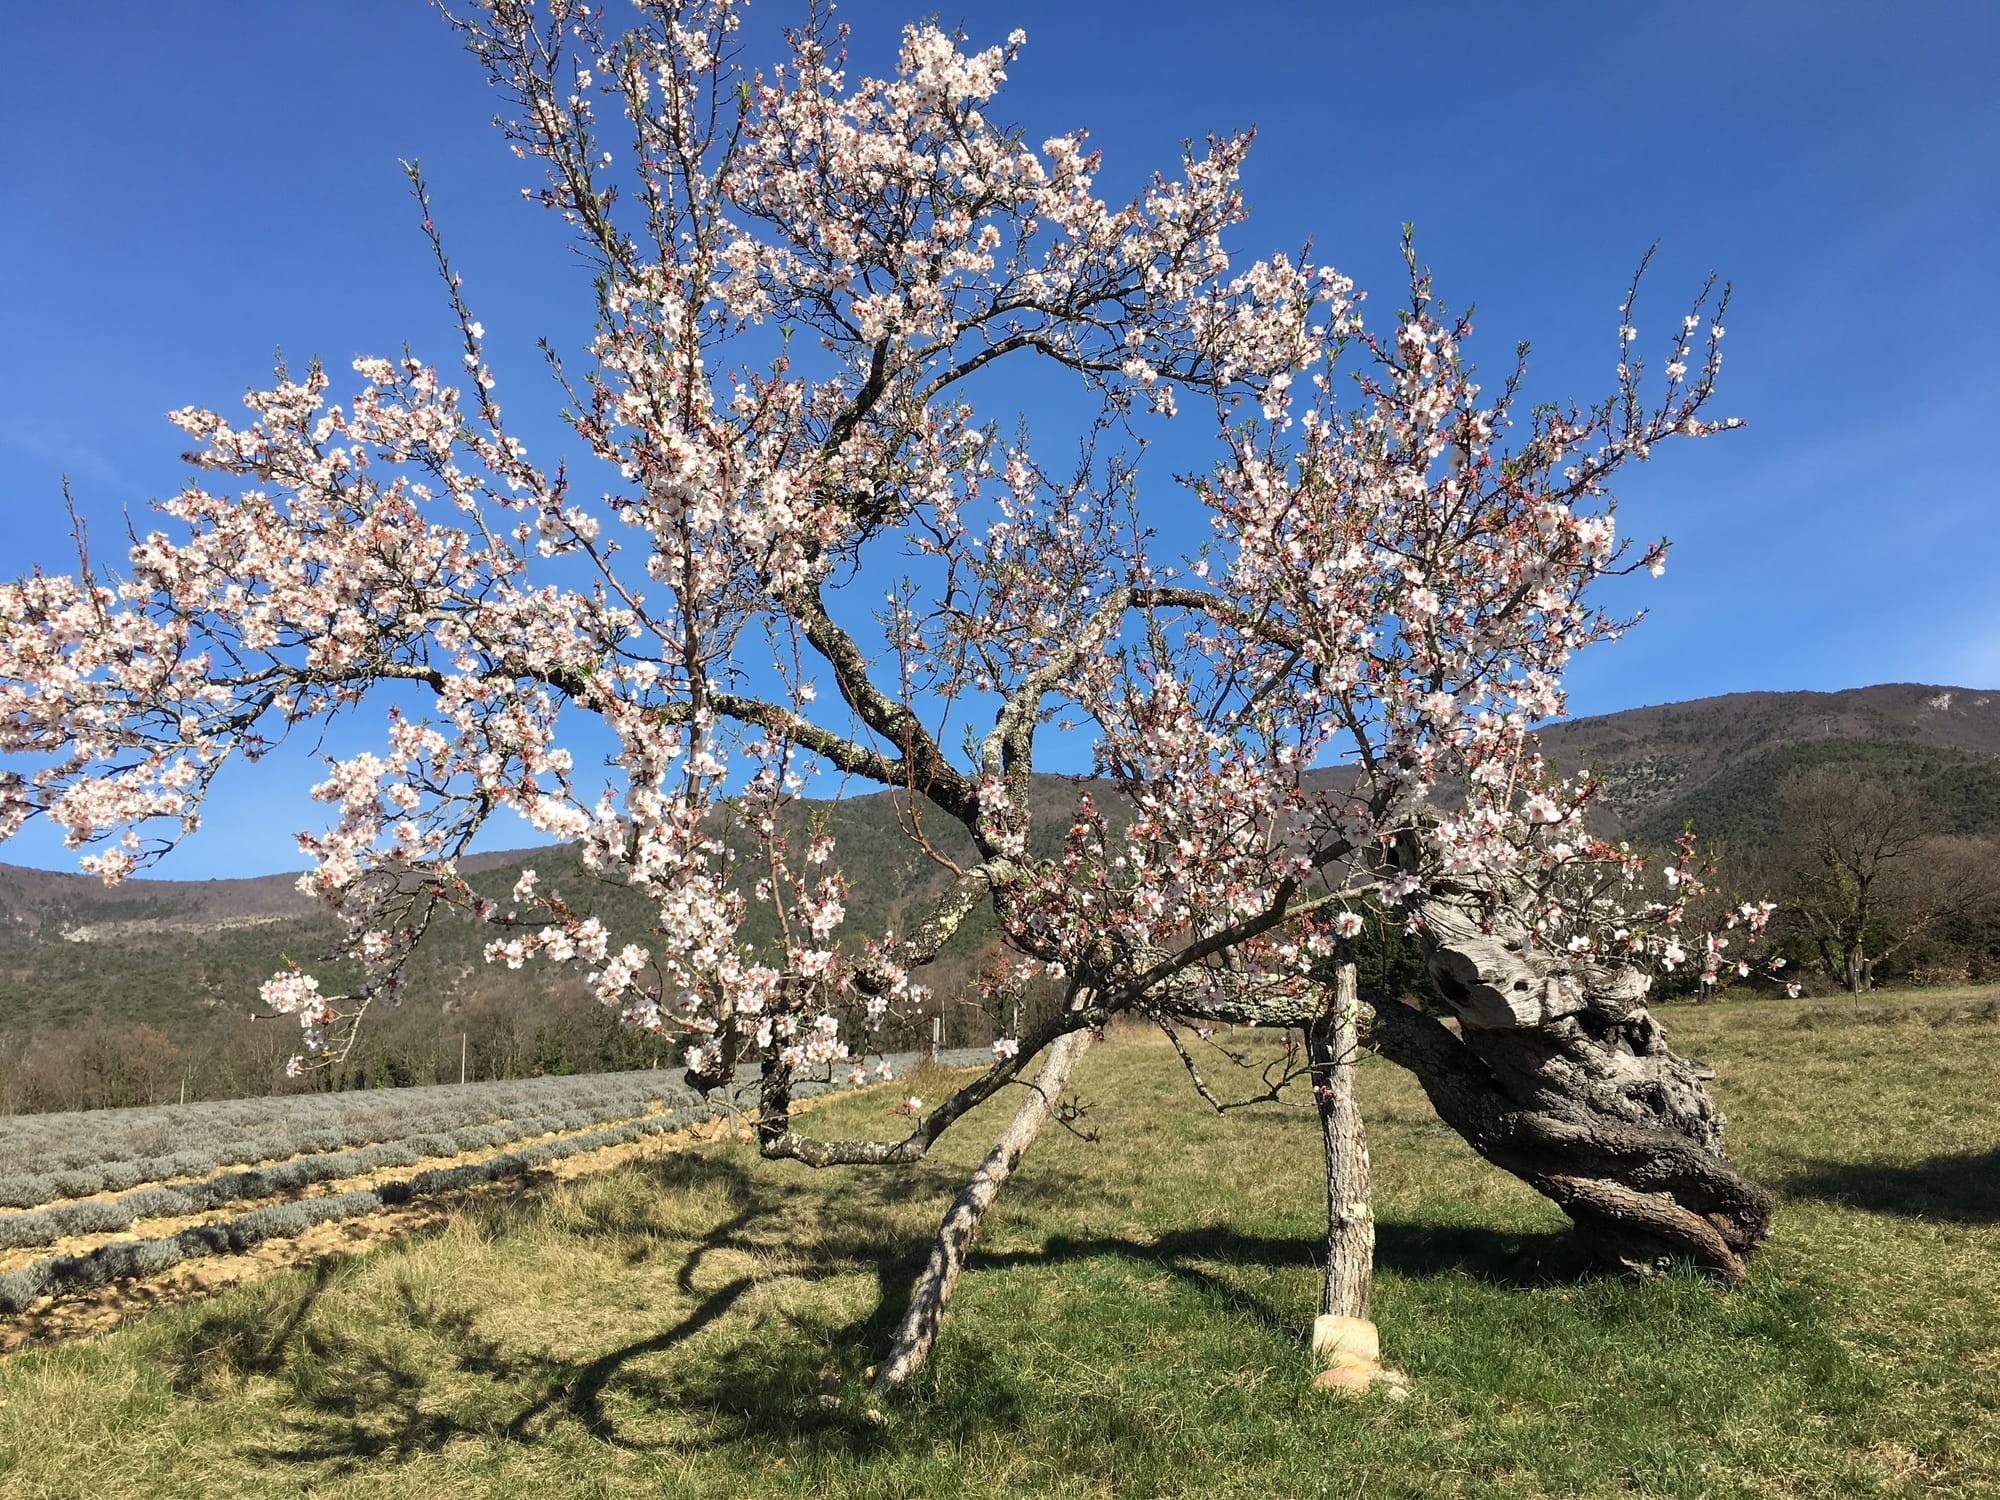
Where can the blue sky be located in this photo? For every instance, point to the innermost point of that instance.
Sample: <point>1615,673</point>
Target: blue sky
<point>196,186</point>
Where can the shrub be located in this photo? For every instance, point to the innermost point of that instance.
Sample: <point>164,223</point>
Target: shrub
<point>19,1231</point>
<point>29,1190</point>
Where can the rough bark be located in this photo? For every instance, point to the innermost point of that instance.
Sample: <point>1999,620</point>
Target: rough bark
<point>1350,1218</point>
<point>918,1330</point>
<point>1560,1075</point>
<point>1557,1073</point>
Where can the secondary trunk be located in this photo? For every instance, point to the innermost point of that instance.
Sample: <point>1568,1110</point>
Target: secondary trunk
<point>1344,1338</point>
<point>918,1330</point>
<point>1350,1220</point>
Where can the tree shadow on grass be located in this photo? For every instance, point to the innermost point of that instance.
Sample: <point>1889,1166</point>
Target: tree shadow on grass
<point>1960,1188</point>
<point>399,1383</point>
<point>1512,1259</point>
<point>403,1382</point>
<point>251,1335</point>
<point>1203,1258</point>
<point>1517,1259</point>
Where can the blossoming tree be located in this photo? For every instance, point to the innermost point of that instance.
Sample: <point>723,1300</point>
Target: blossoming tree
<point>1312,699</point>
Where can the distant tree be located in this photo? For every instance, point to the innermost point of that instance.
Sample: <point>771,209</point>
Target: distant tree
<point>1862,869</point>
<point>100,1064</point>
<point>797,549</point>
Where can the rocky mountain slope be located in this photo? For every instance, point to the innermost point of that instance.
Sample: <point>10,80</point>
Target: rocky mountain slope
<point>1717,762</point>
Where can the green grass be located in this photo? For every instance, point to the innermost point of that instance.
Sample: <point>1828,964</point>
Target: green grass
<point>1134,1322</point>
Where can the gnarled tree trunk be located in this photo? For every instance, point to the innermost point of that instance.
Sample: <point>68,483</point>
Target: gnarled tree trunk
<point>1559,1074</point>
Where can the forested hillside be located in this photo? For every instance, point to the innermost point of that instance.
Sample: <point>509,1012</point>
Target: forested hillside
<point>1717,762</point>
<point>129,994</point>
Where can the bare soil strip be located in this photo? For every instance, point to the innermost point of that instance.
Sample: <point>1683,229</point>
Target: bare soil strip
<point>96,1309</point>
<point>162,1225</point>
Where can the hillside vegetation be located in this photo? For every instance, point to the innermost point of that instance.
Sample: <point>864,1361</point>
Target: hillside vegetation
<point>1650,757</point>
<point>134,994</point>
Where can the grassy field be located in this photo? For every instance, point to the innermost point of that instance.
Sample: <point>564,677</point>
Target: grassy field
<point>1134,1322</point>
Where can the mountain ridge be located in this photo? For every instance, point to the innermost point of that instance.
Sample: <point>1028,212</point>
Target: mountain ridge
<point>1648,757</point>
<point>111,995</point>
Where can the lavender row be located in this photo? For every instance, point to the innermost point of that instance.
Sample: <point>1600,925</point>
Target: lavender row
<point>80,1140</point>
<point>55,1274</point>
<point>452,1110</point>
<point>382,1118</point>
<point>45,1226</point>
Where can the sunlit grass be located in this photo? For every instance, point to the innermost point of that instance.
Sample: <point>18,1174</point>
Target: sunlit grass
<point>1134,1323</point>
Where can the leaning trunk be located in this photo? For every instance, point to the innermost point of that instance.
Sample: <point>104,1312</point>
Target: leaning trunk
<point>1556,1072</point>
<point>1559,1074</point>
<point>918,1330</point>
